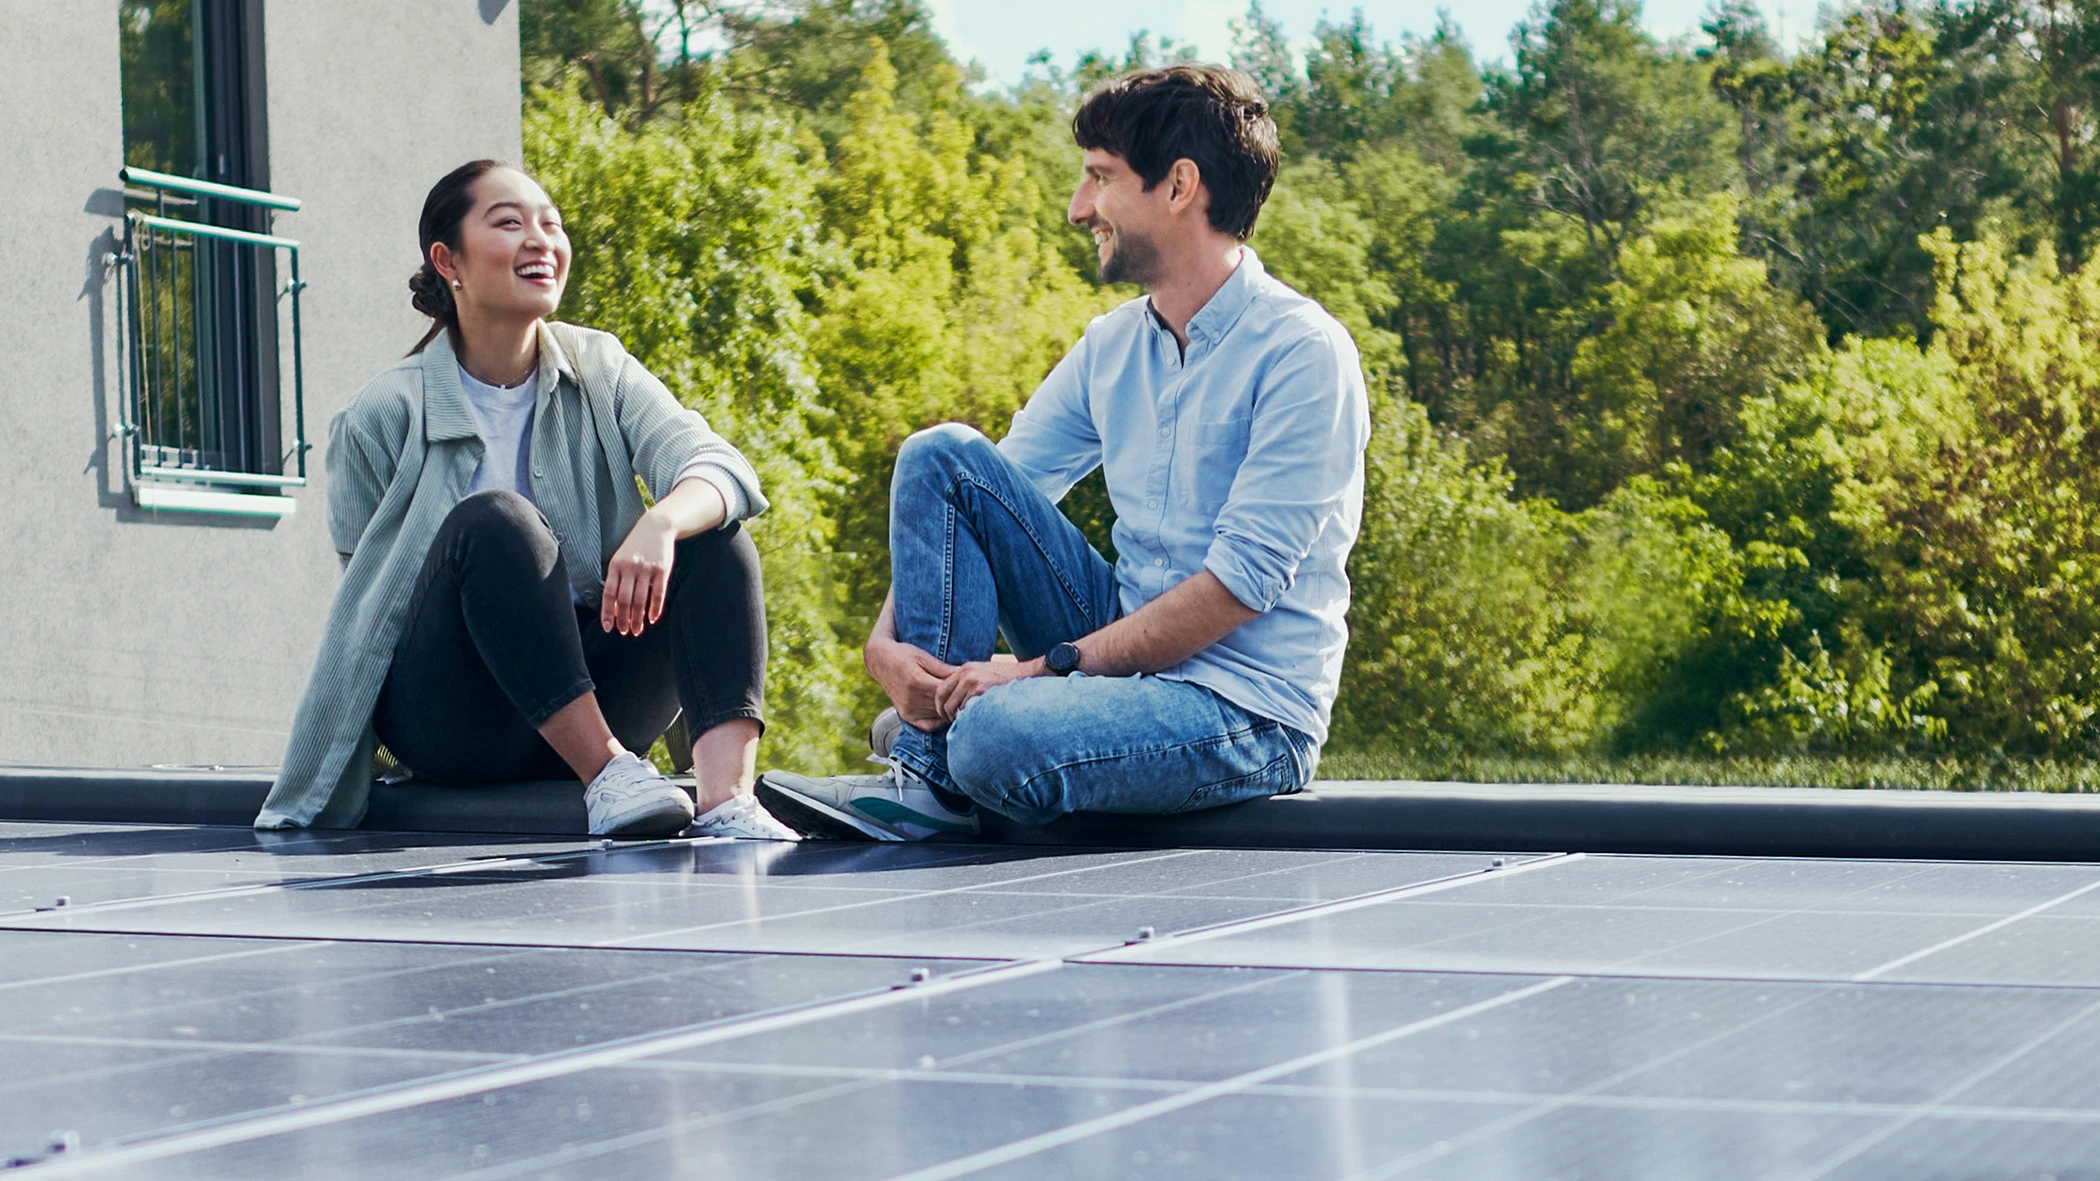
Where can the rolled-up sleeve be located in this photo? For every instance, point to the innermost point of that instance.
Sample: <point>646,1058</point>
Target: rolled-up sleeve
<point>1053,440</point>
<point>670,442</point>
<point>1309,426</point>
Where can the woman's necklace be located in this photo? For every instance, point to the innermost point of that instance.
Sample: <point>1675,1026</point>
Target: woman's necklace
<point>512,384</point>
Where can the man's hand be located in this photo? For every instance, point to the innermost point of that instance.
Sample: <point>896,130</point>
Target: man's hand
<point>639,576</point>
<point>977,676</point>
<point>911,677</point>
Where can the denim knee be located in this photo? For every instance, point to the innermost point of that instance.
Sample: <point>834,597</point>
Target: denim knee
<point>938,451</point>
<point>984,748</point>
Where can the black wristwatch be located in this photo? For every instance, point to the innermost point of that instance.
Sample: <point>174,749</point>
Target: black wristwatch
<point>1062,660</point>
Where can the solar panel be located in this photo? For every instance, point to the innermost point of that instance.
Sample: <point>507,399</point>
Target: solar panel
<point>211,1002</point>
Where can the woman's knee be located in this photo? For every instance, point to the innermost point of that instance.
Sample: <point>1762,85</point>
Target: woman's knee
<point>496,510</point>
<point>723,565</point>
<point>504,521</point>
<point>730,545</point>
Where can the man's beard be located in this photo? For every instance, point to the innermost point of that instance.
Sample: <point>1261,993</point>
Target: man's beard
<point>1133,258</point>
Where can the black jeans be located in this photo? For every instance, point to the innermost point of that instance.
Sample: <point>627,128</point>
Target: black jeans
<point>494,646</point>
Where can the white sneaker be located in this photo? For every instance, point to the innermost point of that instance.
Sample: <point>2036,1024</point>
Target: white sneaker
<point>629,799</point>
<point>893,806</point>
<point>741,816</point>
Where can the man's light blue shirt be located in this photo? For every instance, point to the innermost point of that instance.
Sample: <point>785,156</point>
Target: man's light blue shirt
<point>1244,458</point>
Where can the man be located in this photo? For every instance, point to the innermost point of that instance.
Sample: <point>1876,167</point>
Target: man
<point>1229,414</point>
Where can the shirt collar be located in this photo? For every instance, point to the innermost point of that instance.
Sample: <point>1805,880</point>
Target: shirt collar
<point>446,413</point>
<point>1222,311</point>
<point>555,362</point>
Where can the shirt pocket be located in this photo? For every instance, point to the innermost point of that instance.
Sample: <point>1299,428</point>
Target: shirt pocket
<point>1220,449</point>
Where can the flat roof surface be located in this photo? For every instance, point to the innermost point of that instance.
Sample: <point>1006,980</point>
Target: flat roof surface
<point>213,1002</point>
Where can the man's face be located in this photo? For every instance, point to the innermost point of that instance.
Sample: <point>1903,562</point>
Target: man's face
<point>1112,204</point>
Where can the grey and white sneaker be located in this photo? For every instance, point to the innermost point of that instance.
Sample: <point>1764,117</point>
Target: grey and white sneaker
<point>741,816</point>
<point>629,799</point>
<point>882,734</point>
<point>893,806</point>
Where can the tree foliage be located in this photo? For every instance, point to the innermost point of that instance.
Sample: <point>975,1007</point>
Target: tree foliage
<point>1727,398</point>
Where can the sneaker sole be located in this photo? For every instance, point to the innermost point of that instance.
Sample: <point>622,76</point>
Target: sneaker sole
<point>660,820</point>
<point>816,819</point>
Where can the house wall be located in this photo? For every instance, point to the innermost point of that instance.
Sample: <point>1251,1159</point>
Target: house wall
<point>130,637</point>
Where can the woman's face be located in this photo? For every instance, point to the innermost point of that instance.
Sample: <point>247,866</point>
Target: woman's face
<point>513,258</point>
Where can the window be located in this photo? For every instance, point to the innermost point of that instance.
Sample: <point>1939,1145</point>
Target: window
<point>208,321</point>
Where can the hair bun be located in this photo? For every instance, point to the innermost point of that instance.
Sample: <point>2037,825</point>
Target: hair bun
<point>428,293</point>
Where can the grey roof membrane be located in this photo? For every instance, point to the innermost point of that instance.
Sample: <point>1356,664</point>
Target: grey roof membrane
<point>212,1002</point>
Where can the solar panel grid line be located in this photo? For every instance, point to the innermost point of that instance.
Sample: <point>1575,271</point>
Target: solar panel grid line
<point>14,918</point>
<point>318,1049</point>
<point>1029,1146</point>
<point>1864,1144</point>
<point>980,888</point>
<point>1988,928</point>
<point>246,841</point>
<point>864,1078</point>
<point>535,1069</point>
<point>2036,1115</point>
<point>103,973</point>
<point>1206,931</point>
<point>47,917</point>
<point>1765,918</point>
<point>902,1074</point>
<point>1555,1103</point>
<point>693,974</point>
<point>690,972</point>
<point>612,1145</point>
<point>1658,1103</point>
<point>1508,941</point>
<point>1138,952</point>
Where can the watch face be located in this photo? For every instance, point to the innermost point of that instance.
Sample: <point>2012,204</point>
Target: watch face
<point>1062,659</point>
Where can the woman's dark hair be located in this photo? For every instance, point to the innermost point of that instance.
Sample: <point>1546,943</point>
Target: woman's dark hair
<point>448,204</point>
<point>1208,114</point>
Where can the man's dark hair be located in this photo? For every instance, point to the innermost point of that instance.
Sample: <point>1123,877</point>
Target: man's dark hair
<point>1211,115</point>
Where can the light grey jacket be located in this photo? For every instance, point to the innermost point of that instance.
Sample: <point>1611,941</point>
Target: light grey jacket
<point>400,456</point>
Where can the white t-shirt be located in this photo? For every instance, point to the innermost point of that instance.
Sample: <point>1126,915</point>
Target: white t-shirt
<point>503,414</point>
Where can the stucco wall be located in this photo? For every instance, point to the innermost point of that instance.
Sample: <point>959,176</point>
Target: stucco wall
<point>129,637</point>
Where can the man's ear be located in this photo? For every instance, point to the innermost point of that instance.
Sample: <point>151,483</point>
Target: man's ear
<point>1184,185</point>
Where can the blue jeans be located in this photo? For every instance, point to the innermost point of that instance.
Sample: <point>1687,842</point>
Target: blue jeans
<point>976,551</point>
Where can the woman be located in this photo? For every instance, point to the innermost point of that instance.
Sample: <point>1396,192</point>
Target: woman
<point>509,610</point>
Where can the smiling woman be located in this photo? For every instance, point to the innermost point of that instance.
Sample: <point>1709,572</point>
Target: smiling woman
<point>482,494</point>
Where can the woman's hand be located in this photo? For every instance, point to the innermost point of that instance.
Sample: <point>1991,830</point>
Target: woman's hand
<point>639,575</point>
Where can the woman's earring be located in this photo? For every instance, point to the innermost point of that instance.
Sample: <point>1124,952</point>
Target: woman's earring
<point>455,285</point>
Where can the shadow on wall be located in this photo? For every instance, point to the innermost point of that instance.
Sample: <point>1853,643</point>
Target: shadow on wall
<point>102,290</point>
<point>491,9</point>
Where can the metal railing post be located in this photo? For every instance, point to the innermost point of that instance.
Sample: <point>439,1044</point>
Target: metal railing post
<point>201,374</point>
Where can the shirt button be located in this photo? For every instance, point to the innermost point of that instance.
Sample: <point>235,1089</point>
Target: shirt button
<point>1165,431</point>
<point>1152,504</point>
<point>1159,561</point>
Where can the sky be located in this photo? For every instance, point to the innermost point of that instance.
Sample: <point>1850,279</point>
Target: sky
<point>1001,34</point>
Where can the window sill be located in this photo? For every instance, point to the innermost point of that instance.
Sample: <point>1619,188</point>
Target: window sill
<point>225,504</point>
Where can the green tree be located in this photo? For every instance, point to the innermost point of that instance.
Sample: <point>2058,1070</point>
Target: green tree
<point>1608,122</point>
<point>698,244</point>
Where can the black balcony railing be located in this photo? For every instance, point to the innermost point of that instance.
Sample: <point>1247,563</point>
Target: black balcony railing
<point>205,420</point>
